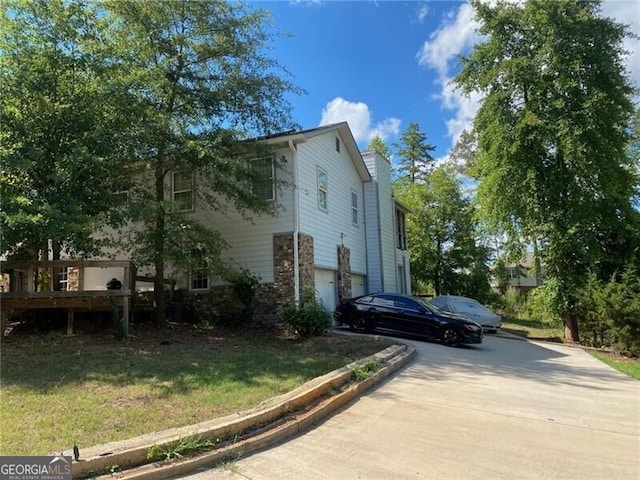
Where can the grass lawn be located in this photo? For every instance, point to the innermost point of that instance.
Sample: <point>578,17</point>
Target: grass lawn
<point>533,329</point>
<point>628,366</point>
<point>93,388</point>
<point>537,330</point>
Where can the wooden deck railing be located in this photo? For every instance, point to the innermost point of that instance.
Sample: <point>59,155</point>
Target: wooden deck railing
<point>32,286</point>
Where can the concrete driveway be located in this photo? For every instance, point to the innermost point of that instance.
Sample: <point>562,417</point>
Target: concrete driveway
<point>506,409</point>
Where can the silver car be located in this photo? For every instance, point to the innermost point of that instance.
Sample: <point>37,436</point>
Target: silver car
<point>474,310</point>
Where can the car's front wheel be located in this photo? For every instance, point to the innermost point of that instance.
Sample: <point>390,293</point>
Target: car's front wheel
<point>361,323</point>
<point>451,336</point>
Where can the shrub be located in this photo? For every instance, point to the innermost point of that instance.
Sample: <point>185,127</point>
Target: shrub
<point>539,304</point>
<point>609,312</point>
<point>307,319</point>
<point>513,302</point>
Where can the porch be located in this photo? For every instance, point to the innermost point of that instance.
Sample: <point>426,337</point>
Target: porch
<point>72,285</point>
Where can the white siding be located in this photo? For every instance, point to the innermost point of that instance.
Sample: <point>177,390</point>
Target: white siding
<point>332,227</point>
<point>251,244</point>
<point>374,271</point>
<point>381,226</point>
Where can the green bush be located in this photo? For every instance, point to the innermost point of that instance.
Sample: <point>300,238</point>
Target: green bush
<point>513,302</point>
<point>307,319</point>
<point>609,312</point>
<point>539,305</point>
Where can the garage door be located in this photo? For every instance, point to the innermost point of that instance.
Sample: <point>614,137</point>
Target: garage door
<point>357,285</point>
<point>326,287</point>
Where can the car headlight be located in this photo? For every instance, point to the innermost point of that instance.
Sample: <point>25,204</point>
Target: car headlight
<point>472,327</point>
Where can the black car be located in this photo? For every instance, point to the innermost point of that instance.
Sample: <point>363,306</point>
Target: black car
<point>407,314</point>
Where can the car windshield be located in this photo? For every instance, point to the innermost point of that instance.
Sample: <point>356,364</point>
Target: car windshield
<point>428,305</point>
<point>474,304</point>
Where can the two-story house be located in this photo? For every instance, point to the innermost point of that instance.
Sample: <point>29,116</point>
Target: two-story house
<point>339,229</point>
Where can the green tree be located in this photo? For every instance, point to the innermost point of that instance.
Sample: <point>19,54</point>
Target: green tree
<point>203,87</point>
<point>377,144</point>
<point>60,117</point>
<point>551,131</point>
<point>414,153</point>
<point>463,152</point>
<point>442,237</point>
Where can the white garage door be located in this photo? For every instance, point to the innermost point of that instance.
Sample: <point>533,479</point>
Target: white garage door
<point>326,288</point>
<point>357,285</point>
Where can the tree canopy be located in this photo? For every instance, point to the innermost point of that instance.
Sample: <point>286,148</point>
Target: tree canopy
<point>141,97</point>
<point>551,133</point>
<point>442,236</point>
<point>414,153</point>
<point>378,144</point>
<point>61,127</point>
<point>202,87</point>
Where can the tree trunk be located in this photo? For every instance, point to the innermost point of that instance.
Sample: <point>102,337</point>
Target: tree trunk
<point>158,283</point>
<point>437,278</point>
<point>55,272</point>
<point>571,328</point>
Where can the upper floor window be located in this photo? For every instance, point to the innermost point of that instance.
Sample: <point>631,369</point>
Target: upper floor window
<point>337,145</point>
<point>263,185</point>
<point>513,273</point>
<point>323,189</point>
<point>182,190</point>
<point>401,230</point>
<point>354,208</point>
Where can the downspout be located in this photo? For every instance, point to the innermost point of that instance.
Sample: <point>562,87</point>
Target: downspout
<point>296,224</point>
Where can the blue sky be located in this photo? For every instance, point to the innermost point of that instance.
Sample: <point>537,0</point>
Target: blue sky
<point>382,64</point>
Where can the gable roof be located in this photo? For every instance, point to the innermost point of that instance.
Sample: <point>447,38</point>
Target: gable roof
<point>347,139</point>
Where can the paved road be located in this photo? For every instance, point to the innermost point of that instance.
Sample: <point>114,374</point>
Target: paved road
<point>507,409</point>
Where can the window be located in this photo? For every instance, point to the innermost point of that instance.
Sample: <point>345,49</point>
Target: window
<point>384,301</point>
<point>63,279</point>
<point>401,228</point>
<point>406,304</point>
<point>513,273</point>
<point>121,197</point>
<point>323,187</point>
<point>200,274</point>
<point>264,181</point>
<point>354,208</point>
<point>337,145</point>
<point>182,192</point>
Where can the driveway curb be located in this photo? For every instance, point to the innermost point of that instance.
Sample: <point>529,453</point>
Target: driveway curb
<point>274,421</point>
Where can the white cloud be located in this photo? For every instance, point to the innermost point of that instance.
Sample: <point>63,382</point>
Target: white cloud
<point>421,12</point>
<point>305,2</point>
<point>358,116</point>
<point>465,109</point>
<point>457,34</point>
<point>453,37</point>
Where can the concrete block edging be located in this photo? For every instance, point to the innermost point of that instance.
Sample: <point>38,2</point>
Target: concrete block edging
<point>272,422</point>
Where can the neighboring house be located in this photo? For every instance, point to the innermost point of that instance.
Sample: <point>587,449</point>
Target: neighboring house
<point>521,276</point>
<point>339,231</point>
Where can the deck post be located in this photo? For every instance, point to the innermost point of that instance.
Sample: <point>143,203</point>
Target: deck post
<point>70,322</point>
<point>125,314</point>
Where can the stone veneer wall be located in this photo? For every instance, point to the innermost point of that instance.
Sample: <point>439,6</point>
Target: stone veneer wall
<point>284,284</point>
<point>222,304</point>
<point>344,272</point>
<point>305,262</point>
